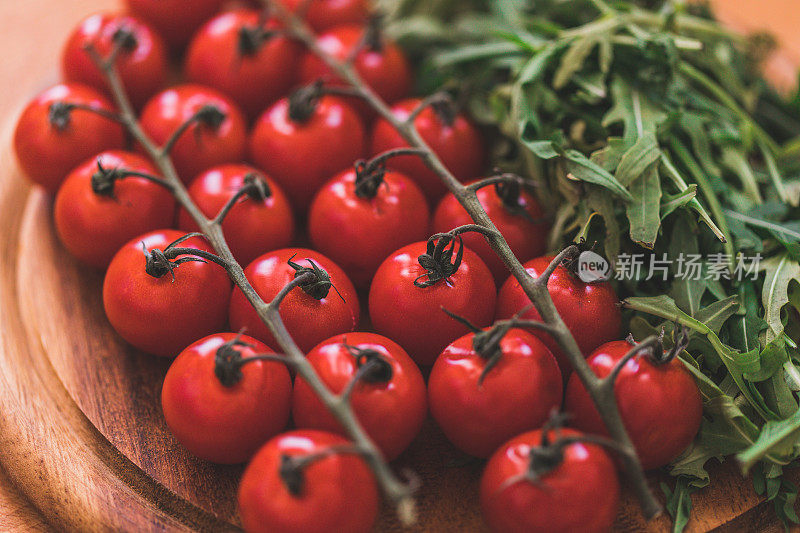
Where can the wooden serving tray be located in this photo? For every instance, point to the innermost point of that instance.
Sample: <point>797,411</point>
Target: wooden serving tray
<point>83,444</point>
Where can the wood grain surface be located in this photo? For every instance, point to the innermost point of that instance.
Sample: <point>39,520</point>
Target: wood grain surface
<point>83,445</point>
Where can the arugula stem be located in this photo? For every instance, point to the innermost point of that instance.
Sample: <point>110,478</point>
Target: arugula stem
<point>685,156</point>
<point>729,102</point>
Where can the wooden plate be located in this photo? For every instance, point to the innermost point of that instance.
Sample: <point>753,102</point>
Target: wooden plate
<point>83,439</point>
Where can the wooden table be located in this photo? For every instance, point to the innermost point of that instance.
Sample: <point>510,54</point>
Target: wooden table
<point>31,34</point>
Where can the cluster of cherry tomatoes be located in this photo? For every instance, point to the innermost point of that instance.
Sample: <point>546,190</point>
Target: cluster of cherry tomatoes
<point>252,122</point>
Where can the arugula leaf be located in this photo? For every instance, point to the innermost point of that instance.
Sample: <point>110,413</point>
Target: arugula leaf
<point>643,211</point>
<point>671,202</point>
<point>780,271</point>
<point>638,159</point>
<point>583,169</point>
<point>679,502</point>
<point>715,315</point>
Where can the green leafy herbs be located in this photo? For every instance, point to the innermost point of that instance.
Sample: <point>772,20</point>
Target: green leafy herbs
<point>648,130</point>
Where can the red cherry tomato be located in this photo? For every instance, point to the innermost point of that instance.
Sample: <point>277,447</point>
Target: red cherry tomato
<point>255,224</point>
<point>160,315</point>
<point>244,57</point>
<point>660,403</point>
<point>141,61</point>
<point>590,310</point>
<point>482,400</point>
<point>580,494</point>
<point>309,319</point>
<point>381,215</point>
<point>94,224</point>
<point>175,20</point>
<point>457,143</point>
<point>322,15</point>
<point>411,315</point>
<point>516,213</point>
<point>389,400</point>
<point>302,153</point>
<point>225,422</point>
<point>382,65</point>
<point>332,492</point>
<point>217,139</point>
<point>51,139</point>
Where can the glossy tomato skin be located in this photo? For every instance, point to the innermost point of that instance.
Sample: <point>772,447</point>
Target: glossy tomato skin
<point>223,424</point>
<point>660,404</point>
<point>591,311</point>
<point>143,68</point>
<point>47,152</point>
<point>253,77</point>
<point>518,393</point>
<point>411,315</point>
<point>201,146</point>
<point>526,235</point>
<point>175,20</point>
<point>390,412</point>
<point>158,315</point>
<point>338,493</point>
<point>581,494</point>
<point>397,215</point>
<point>385,69</point>
<point>323,15</point>
<point>94,226</point>
<point>302,156</point>
<point>251,227</point>
<point>308,320</point>
<point>459,146</point>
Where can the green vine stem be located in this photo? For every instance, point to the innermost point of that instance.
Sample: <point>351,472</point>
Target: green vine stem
<point>535,289</point>
<point>397,491</point>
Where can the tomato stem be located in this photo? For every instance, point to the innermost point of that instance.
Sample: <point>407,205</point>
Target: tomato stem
<point>209,115</point>
<point>292,467</point>
<point>535,289</point>
<point>228,361</point>
<point>370,174</point>
<point>442,104</point>
<point>255,187</point>
<point>372,368</point>
<point>316,281</point>
<point>104,180</point>
<point>303,101</point>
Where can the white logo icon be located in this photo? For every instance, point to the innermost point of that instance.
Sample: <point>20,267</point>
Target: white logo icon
<point>593,267</point>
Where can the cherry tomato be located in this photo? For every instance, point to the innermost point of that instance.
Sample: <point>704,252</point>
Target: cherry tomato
<point>515,212</point>
<point>95,214</point>
<point>260,221</point>
<point>303,152</point>
<point>388,400</point>
<point>218,137</point>
<point>225,422</point>
<point>162,315</point>
<point>454,139</point>
<point>581,493</point>
<point>175,20</point>
<point>52,138</point>
<point>381,64</point>
<point>244,57</point>
<point>312,312</point>
<point>381,212</point>
<point>410,314</point>
<point>299,483</point>
<point>322,15</point>
<point>590,310</point>
<point>141,61</point>
<point>659,402</point>
<point>481,398</point>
